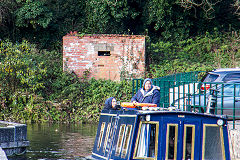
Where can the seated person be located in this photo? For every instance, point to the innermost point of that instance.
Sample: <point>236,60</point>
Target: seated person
<point>148,94</point>
<point>110,103</point>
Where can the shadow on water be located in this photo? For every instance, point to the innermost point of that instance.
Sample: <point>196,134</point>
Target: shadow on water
<point>59,141</point>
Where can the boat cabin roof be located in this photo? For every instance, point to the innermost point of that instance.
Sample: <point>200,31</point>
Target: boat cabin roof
<point>147,112</point>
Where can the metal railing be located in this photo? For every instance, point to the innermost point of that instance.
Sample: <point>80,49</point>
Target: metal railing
<point>192,95</point>
<point>168,82</point>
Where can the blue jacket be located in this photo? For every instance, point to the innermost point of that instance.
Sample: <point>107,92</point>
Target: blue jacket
<point>108,103</point>
<point>152,96</point>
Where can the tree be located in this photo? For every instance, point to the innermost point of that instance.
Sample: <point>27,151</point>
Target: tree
<point>18,68</point>
<point>33,12</point>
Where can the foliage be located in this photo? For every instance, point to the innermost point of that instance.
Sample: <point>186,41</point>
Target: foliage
<point>7,7</point>
<point>34,87</point>
<point>185,36</point>
<point>34,13</point>
<point>21,75</point>
<point>19,68</point>
<point>161,20</point>
<point>195,54</point>
<point>97,91</point>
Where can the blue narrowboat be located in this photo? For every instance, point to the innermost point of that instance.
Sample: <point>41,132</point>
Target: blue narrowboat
<point>161,134</point>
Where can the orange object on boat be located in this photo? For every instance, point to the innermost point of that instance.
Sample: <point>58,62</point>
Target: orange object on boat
<point>131,105</point>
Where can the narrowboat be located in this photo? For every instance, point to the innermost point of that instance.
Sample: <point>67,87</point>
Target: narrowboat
<point>152,134</point>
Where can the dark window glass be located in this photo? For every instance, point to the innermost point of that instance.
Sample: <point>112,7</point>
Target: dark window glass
<point>231,76</point>
<point>151,151</point>
<point>104,53</point>
<point>172,139</point>
<point>211,78</point>
<point>188,143</point>
<point>213,143</point>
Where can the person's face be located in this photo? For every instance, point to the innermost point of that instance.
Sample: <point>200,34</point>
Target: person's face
<point>114,102</point>
<point>147,86</point>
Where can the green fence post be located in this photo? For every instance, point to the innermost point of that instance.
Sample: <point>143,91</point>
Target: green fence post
<point>133,81</point>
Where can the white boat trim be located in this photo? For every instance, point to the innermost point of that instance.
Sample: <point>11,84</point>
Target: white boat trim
<point>100,156</point>
<point>126,115</point>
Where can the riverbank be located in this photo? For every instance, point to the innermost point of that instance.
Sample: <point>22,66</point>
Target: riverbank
<point>38,90</point>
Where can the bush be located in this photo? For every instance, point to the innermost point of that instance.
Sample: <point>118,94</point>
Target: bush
<point>195,54</point>
<point>34,87</point>
<point>19,69</point>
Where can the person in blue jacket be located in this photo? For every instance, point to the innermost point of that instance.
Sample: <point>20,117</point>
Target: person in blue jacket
<point>148,94</point>
<point>110,104</point>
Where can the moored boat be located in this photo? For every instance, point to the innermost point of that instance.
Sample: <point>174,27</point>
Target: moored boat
<point>155,133</point>
<point>13,138</point>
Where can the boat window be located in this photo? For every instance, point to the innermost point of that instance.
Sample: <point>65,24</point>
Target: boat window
<point>120,139</point>
<point>146,146</point>
<point>213,144</point>
<point>106,137</point>
<point>101,135</point>
<point>171,141</point>
<point>189,141</point>
<point>126,140</point>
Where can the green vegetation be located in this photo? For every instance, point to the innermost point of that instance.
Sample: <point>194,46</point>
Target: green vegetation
<point>45,22</point>
<point>201,53</point>
<point>34,87</point>
<point>183,36</point>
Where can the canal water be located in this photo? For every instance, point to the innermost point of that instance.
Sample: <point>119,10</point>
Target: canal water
<point>51,141</point>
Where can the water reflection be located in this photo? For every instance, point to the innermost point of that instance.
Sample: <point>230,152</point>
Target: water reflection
<point>59,141</point>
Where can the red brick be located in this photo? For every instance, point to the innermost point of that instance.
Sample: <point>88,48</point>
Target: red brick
<point>104,67</point>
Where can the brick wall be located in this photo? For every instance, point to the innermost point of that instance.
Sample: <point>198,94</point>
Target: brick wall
<point>91,52</point>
